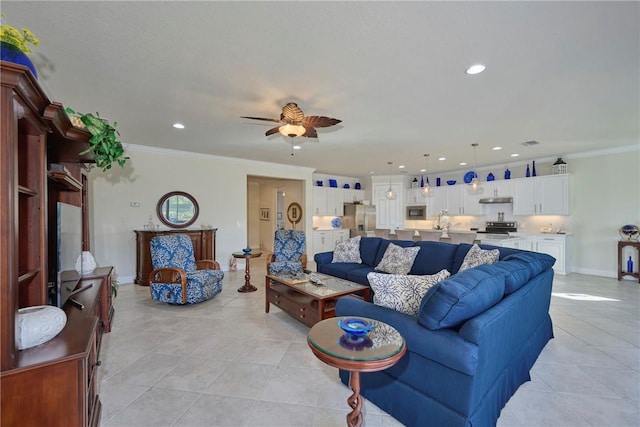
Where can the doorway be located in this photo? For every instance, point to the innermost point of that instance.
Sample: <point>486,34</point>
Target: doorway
<point>267,201</point>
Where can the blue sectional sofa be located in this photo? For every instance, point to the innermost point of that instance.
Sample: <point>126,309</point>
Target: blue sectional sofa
<point>471,345</point>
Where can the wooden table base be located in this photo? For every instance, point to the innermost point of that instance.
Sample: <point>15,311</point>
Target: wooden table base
<point>354,418</point>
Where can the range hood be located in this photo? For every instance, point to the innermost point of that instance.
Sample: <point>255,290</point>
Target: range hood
<point>496,200</point>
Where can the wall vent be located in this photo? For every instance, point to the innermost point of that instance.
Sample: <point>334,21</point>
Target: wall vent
<point>530,143</point>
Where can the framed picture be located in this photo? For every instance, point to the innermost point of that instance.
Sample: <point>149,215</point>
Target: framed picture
<point>264,214</point>
<point>294,213</point>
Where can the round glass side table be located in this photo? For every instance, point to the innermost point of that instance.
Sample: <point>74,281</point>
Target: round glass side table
<point>380,349</point>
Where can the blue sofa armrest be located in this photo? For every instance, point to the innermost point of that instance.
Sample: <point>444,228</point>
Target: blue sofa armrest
<point>444,346</point>
<point>323,258</point>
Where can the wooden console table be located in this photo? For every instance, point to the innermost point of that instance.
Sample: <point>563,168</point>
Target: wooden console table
<point>622,262</point>
<point>204,247</point>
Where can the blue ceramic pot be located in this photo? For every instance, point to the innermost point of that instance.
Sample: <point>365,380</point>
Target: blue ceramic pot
<point>11,53</point>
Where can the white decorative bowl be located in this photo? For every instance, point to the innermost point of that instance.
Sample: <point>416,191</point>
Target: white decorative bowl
<point>38,324</point>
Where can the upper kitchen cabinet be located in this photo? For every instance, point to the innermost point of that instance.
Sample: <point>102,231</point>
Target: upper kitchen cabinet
<point>328,201</point>
<point>542,195</point>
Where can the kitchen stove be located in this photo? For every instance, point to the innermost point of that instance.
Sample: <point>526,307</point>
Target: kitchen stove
<point>498,230</point>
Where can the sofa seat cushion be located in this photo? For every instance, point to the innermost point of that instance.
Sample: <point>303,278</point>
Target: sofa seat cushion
<point>461,297</point>
<point>348,251</point>
<point>401,292</point>
<point>339,269</point>
<point>359,274</point>
<point>397,260</point>
<point>476,256</point>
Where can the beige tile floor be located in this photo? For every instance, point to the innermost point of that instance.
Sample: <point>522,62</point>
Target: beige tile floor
<point>226,362</point>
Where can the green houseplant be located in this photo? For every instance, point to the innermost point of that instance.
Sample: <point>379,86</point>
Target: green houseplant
<point>104,139</point>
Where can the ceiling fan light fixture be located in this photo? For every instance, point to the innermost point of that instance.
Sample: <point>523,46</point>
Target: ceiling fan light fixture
<point>292,130</point>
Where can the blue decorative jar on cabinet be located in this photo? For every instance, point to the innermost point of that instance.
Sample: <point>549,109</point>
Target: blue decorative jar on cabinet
<point>11,53</point>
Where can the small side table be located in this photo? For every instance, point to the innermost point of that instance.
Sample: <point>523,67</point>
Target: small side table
<point>378,350</point>
<point>622,262</point>
<point>247,287</point>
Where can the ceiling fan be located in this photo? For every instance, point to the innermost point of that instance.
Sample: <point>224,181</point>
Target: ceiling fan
<point>295,123</point>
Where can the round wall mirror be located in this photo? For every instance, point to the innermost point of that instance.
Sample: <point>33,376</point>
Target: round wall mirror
<point>177,209</point>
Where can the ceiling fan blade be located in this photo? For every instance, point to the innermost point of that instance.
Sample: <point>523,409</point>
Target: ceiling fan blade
<point>272,131</point>
<point>261,118</point>
<point>310,132</point>
<point>319,121</point>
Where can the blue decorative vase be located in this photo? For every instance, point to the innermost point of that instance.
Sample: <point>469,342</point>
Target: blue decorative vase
<point>528,172</point>
<point>11,53</point>
<point>507,174</point>
<point>533,171</point>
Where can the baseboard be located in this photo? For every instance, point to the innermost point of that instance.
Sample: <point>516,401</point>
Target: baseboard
<point>594,272</point>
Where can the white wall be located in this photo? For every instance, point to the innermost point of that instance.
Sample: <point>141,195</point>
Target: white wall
<point>605,196</point>
<point>219,185</point>
<point>605,193</point>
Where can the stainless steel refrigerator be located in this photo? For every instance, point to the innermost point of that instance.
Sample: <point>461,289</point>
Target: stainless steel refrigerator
<point>359,219</point>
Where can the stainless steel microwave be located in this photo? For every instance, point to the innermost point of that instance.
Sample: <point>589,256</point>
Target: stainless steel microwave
<point>416,212</point>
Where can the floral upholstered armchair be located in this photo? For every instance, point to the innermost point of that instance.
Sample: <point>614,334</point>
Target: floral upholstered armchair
<point>177,277</point>
<point>288,253</point>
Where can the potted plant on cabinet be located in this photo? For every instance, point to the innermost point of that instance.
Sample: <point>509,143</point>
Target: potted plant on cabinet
<point>14,45</point>
<point>104,139</point>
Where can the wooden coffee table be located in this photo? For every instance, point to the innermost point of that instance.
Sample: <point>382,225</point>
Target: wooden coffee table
<point>306,301</point>
<point>379,349</point>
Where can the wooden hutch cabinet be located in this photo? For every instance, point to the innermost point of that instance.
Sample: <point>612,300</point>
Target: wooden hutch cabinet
<point>204,247</point>
<point>52,384</point>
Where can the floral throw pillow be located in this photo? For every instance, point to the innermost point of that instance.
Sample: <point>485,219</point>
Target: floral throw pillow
<point>477,256</point>
<point>403,293</point>
<point>397,260</point>
<point>348,251</point>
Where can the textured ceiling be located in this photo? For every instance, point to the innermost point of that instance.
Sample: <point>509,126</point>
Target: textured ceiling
<point>565,74</point>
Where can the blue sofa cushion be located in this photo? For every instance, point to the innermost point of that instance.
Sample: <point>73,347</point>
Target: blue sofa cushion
<point>348,251</point>
<point>476,256</point>
<point>397,260</point>
<point>433,257</point>
<point>340,269</point>
<point>403,292</point>
<point>461,297</point>
<point>359,274</point>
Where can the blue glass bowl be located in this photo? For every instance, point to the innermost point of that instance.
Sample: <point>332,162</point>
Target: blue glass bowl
<point>355,326</point>
<point>451,182</point>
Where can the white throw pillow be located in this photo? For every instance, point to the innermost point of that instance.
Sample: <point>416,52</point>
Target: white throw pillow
<point>348,251</point>
<point>397,260</point>
<point>477,256</point>
<point>403,293</point>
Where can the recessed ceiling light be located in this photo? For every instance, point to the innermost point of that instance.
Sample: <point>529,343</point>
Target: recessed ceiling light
<point>423,170</point>
<point>296,147</point>
<point>515,155</point>
<point>463,163</point>
<point>496,148</point>
<point>442,158</point>
<point>475,69</point>
<point>178,125</point>
<point>372,172</point>
<point>401,167</point>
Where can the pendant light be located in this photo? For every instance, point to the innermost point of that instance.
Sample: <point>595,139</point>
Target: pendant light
<point>426,189</point>
<point>474,186</point>
<point>390,194</point>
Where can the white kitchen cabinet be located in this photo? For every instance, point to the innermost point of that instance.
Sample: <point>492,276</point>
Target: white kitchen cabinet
<point>542,195</point>
<point>326,240</point>
<point>415,197</point>
<point>328,201</point>
<point>437,202</point>
<point>460,202</point>
<point>555,245</point>
<point>320,201</point>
